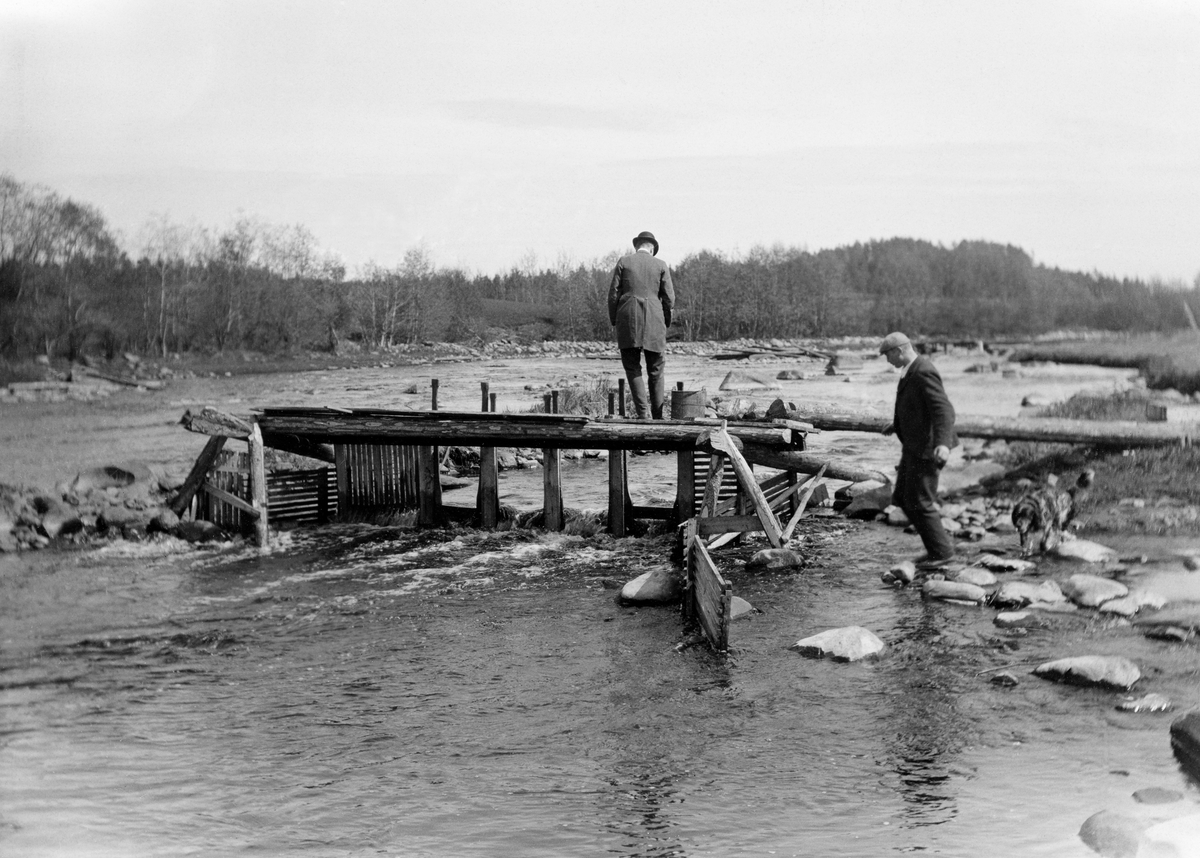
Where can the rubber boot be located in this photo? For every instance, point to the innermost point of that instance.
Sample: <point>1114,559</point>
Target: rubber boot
<point>637,392</point>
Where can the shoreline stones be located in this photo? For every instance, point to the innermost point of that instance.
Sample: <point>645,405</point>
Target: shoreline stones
<point>954,591</point>
<point>846,644</point>
<point>1092,591</point>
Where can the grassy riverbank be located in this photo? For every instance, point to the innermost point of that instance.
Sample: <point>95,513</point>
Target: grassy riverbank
<point>1150,490</point>
<point>1167,362</point>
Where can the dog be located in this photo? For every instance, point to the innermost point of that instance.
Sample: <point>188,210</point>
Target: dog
<point>1047,511</point>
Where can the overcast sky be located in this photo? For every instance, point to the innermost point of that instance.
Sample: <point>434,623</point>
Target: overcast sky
<point>486,130</point>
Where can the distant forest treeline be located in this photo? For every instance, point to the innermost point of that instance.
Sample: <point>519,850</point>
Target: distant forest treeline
<point>67,288</point>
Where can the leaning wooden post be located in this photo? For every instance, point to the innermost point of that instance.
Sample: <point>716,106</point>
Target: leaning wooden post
<point>258,485</point>
<point>552,505</point>
<point>487,503</point>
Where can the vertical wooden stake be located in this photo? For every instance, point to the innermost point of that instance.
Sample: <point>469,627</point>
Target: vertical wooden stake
<point>323,496</point>
<point>429,502</point>
<point>341,465</point>
<point>433,383</point>
<point>258,485</point>
<point>616,492</point>
<point>552,504</point>
<point>554,402</point>
<point>685,485</point>
<point>484,387</point>
<point>612,403</point>
<point>621,396</point>
<point>487,501</point>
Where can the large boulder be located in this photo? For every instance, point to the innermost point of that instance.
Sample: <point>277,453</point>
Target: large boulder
<point>658,586</point>
<point>1112,835</point>
<point>849,643</point>
<point>1091,591</point>
<point>1110,671</point>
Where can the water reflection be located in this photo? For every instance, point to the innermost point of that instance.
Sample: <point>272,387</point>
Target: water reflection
<point>928,727</point>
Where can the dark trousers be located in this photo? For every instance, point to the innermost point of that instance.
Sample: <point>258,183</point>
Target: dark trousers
<point>631,359</point>
<point>916,494</point>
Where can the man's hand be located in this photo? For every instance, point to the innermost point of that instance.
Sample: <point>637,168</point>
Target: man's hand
<point>941,455</point>
<point>889,429</point>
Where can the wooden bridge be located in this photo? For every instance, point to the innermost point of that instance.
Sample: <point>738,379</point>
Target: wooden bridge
<point>390,460</point>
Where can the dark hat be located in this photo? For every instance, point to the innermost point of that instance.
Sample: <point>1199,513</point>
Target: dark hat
<point>646,236</point>
<point>893,340</point>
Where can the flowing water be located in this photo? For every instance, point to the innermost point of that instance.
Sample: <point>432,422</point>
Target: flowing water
<point>372,690</point>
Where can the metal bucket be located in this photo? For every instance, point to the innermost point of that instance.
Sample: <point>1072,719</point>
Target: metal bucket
<point>688,404</point>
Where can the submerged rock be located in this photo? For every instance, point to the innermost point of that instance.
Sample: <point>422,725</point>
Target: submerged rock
<point>774,560</point>
<point>903,573</point>
<point>1157,795</point>
<point>1084,551</point>
<point>849,643</point>
<point>658,586</point>
<point>1112,835</point>
<point>1091,591</point>
<point>1111,671</point>
<point>1148,703</point>
<point>1020,620</point>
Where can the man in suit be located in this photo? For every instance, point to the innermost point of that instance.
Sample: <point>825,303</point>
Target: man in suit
<point>640,299</point>
<point>924,423</point>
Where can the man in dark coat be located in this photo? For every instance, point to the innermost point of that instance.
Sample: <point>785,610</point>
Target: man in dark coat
<point>924,423</point>
<point>640,299</point>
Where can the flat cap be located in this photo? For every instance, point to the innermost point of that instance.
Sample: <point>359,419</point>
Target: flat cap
<point>893,341</point>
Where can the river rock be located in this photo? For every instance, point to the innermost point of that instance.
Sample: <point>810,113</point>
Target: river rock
<point>1175,838</point>
<point>1185,742</point>
<point>1084,551</point>
<point>1148,703</point>
<point>164,521</point>
<point>974,575</point>
<point>57,518</point>
<point>117,518</point>
<point>1091,591</point>
<point>1004,564</point>
<point>774,560</point>
<point>1005,679</point>
<point>896,517</point>
<point>868,499</point>
<point>1157,795</point>
<point>1018,594</point>
<point>199,531</point>
<point>1112,671</point>
<point>738,608</point>
<point>902,573</point>
<point>849,643</point>
<point>1112,835</point>
<point>953,590</point>
<point>740,379</point>
<point>1125,606</point>
<point>1020,620</point>
<point>657,586</point>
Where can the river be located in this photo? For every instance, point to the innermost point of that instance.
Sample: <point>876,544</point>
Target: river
<point>370,690</point>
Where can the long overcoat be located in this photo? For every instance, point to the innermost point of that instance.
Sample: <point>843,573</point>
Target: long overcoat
<point>640,299</point>
<point>924,417</point>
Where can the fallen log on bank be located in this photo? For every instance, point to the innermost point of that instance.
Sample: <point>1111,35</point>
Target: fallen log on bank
<point>1059,430</point>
